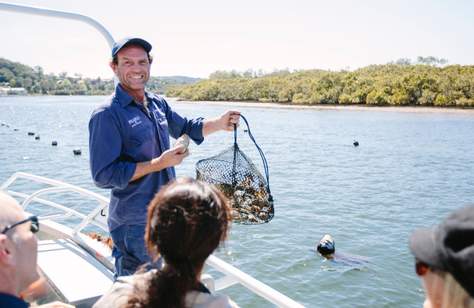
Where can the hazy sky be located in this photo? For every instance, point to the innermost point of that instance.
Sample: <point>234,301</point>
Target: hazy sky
<point>196,38</point>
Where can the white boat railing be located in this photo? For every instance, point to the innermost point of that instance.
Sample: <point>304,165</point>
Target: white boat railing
<point>93,218</point>
<point>231,275</point>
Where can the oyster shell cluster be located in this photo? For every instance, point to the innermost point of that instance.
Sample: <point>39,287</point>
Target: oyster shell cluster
<point>250,204</point>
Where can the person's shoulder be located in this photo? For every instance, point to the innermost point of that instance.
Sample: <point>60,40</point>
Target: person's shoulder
<point>107,107</point>
<point>349,259</point>
<point>135,280</point>
<point>220,300</point>
<point>104,106</point>
<point>157,99</point>
<point>119,293</point>
<point>205,300</point>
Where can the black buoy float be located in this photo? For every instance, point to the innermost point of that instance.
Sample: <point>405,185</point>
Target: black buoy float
<point>37,137</point>
<point>54,143</point>
<point>31,134</point>
<point>356,143</point>
<point>77,151</point>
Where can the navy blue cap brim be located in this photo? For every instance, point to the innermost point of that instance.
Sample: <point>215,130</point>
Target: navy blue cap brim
<point>130,41</point>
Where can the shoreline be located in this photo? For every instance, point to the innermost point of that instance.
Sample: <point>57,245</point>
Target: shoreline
<point>404,109</point>
<point>407,109</point>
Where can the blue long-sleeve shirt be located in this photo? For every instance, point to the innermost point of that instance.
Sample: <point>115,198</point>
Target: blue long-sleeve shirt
<point>8,300</point>
<point>121,134</point>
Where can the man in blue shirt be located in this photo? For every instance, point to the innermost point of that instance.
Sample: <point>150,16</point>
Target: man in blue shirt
<point>130,149</point>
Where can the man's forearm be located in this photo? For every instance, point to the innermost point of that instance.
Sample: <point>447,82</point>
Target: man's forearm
<point>210,126</point>
<point>145,168</point>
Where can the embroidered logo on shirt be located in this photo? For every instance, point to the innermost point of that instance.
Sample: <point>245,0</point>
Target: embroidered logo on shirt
<point>135,121</point>
<point>160,117</point>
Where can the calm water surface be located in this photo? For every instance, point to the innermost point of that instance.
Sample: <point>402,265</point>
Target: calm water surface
<point>409,171</point>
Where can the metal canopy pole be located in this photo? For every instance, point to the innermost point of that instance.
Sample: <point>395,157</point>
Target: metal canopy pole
<point>60,14</point>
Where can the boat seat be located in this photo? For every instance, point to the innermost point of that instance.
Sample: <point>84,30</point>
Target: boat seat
<point>65,264</point>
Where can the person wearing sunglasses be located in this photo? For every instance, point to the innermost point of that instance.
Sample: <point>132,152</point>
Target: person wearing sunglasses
<point>18,254</point>
<point>444,260</point>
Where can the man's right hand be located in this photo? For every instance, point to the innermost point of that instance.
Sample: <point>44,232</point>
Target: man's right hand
<point>170,158</point>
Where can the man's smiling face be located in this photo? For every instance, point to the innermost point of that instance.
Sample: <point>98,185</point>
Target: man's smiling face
<point>132,69</point>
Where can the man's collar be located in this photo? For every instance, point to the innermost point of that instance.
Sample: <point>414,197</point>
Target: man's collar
<point>124,98</point>
<point>9,300</point>
<point>149,96</point>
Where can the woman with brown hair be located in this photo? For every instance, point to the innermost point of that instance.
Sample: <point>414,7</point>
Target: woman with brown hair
<point>187,220</point>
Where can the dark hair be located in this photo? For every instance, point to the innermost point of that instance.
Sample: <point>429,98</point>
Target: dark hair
<point>187,220</point>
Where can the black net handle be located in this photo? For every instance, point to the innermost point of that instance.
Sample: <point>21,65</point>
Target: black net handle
<point>262,156</point>
<point>234,161</point>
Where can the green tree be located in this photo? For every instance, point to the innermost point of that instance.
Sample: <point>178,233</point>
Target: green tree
<point>6,75</point>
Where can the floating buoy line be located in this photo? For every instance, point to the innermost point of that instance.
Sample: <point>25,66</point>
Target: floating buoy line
<point>54,143</point>
<point>78,151</point>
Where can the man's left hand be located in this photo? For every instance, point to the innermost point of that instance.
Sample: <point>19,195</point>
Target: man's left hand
<point>228,119</point>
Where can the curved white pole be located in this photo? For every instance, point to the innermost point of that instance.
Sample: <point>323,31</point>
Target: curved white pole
<point>60,14</point>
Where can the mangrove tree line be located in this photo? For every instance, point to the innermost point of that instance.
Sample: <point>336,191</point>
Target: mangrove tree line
<point>424,83</point>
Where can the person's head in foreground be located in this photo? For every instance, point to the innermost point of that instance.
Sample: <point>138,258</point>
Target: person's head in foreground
<point>326,246</point>
<point>187,220</point>
<point>445,260</point>
<point>18,247</point>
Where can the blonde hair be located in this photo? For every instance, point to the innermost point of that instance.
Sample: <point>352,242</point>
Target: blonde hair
<point>454,295</point>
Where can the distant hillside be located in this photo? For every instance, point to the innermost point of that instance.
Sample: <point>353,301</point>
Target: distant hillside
<point>163,83</point>
<point>178,79</point>
<point>35,81</point>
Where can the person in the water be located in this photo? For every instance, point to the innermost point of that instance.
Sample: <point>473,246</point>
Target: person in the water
<point>327,249</point>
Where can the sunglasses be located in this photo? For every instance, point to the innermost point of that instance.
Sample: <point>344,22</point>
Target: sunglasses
<point>421,268</point>
<point>34,227</point>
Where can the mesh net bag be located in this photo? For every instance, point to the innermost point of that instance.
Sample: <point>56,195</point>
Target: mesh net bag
<point>234,174</point>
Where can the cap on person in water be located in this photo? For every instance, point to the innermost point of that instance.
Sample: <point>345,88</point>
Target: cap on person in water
<point>449,247</point>
<point>130,41</point>
<point>326,245</point>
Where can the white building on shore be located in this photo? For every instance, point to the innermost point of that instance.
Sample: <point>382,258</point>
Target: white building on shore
<point>12,91</point>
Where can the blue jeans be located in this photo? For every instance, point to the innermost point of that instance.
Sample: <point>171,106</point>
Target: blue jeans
<point>129,250</point>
